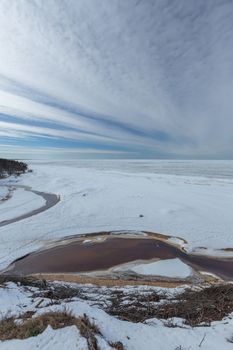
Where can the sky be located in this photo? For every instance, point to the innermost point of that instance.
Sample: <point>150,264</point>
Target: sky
<point>116,79</point>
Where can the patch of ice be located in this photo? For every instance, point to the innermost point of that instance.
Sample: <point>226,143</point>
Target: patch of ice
<point>87,241</point>
<point>129,232</point>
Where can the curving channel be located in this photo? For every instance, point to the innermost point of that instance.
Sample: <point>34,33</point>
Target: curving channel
<point>50,200</point>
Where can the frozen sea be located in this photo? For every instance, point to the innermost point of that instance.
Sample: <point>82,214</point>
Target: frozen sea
<point>222,169</point>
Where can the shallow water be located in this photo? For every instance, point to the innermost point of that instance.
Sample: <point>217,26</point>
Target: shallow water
<point>77,257</point>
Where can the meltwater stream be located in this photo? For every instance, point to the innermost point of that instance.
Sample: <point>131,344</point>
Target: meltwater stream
<point>50,200</point>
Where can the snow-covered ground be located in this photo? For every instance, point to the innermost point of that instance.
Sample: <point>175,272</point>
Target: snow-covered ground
<point>112,195</point>
<point>21,202</point>
<point>3,192</point>
<point>167,268</point>
<point>192,200</point>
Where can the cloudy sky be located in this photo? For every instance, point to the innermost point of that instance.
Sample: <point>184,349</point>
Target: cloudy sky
<point>119,78</point>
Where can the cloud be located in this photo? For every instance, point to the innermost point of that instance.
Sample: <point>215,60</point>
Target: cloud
<point>153,78</point>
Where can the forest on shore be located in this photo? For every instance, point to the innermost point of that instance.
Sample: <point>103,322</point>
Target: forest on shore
<point>12,167</point>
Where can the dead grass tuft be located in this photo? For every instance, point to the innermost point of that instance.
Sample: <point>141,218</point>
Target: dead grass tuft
<point>25,327</point>
<point>117,345</point>
<point>10,329</point>
<point>88,330</point>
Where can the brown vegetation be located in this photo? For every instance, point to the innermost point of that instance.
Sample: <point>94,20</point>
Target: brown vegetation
<point>31,327</point>
<point>110,282</point>
<point>195,307</point>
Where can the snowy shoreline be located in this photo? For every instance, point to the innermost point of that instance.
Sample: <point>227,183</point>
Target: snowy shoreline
<point>197,209</point>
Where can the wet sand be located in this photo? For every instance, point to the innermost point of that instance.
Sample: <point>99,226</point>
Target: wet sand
<point>50,200</point>
<point>77,257</point>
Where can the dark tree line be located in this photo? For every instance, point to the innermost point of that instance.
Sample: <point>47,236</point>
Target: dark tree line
<point>12,167</point>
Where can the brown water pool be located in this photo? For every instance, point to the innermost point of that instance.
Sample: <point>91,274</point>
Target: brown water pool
<point>77,257</point>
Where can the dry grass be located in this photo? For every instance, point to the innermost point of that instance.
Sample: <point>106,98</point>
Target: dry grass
<point>9,329</point>
<point>117,345</point>
<point>29,327</point>
<point>25,327</point>
<point>108,282</point>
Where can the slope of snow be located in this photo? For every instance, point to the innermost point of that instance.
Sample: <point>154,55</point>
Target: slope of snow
<point>149,335</point>
<point>167,268</point>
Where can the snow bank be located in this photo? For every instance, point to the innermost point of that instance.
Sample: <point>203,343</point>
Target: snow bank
<point>3,192</point>
<point>167,268</point>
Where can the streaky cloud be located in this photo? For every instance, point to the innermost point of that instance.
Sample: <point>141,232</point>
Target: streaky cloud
<point>149,78</point>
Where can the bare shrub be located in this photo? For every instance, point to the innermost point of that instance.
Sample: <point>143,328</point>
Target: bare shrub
<point>194,306</point>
